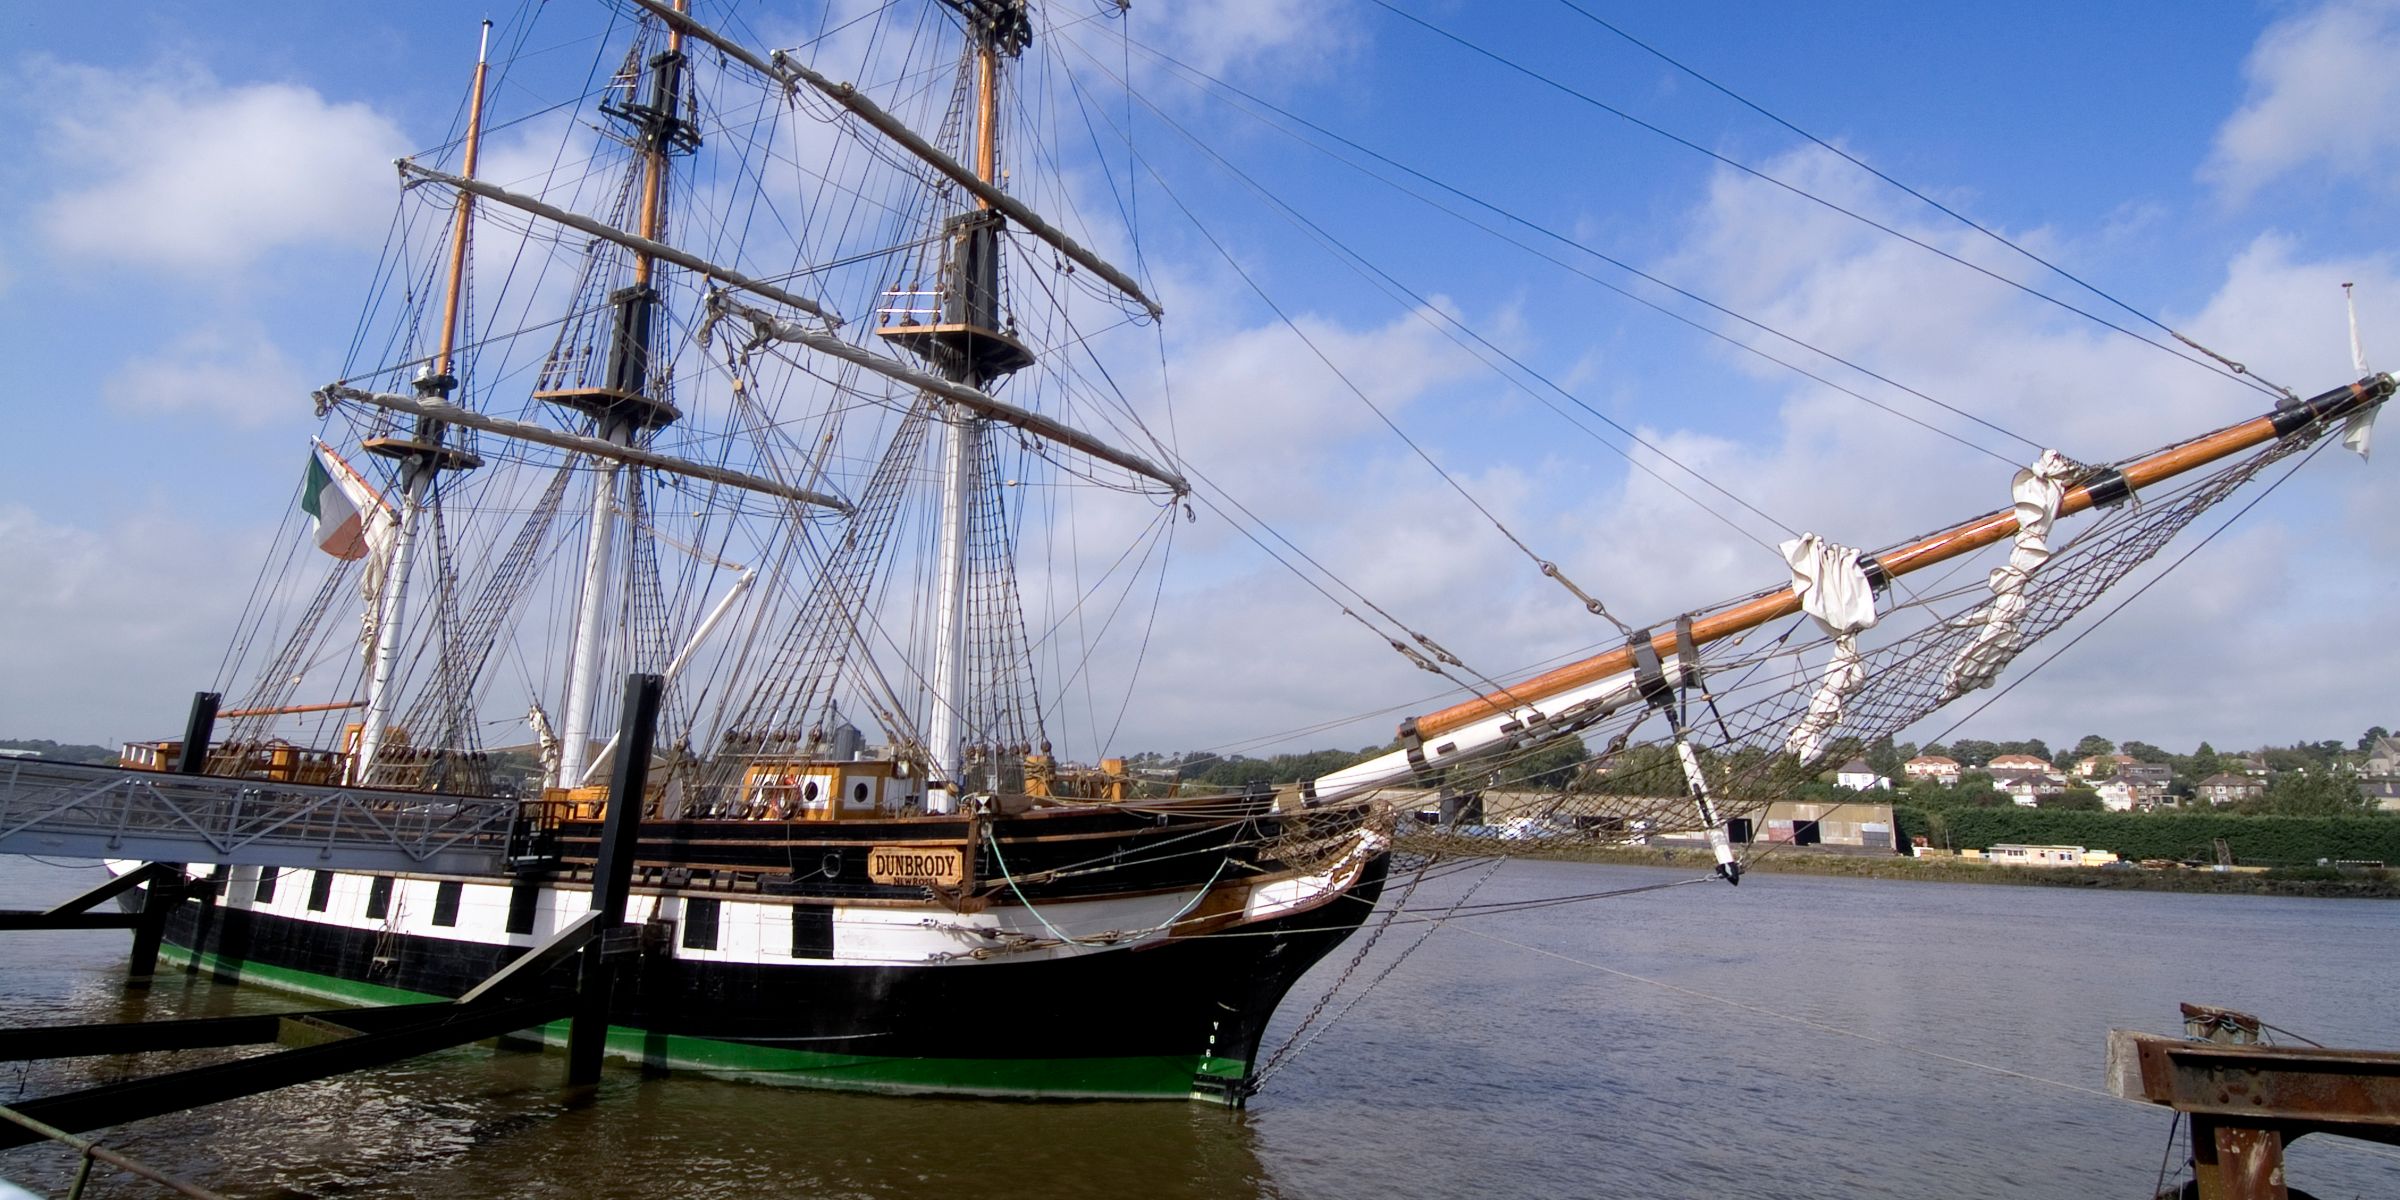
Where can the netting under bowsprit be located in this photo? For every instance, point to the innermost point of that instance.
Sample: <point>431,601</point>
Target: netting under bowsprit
<point>1757,689</point>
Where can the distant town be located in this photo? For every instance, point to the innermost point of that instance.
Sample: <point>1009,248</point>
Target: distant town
<point>2327,778</point>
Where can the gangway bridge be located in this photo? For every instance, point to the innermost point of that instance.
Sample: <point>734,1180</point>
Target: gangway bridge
<point>173,820</point>
<point>75,810</point>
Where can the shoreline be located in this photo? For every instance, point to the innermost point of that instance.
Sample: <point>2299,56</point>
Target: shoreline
<point>1937,870</point>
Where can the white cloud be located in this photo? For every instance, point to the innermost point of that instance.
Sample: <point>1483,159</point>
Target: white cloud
<point>1262,400</point>
<point>1259,413</point>
<point>1258,36</point>
<point>2322,95</point>
<point>1830,463</point>
<point>96,651</point>
<point>169,168</point>
<point>228,368</point>
<point>1262,416</point>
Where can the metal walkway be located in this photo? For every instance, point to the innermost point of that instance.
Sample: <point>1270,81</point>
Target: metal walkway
<point>75,811</point>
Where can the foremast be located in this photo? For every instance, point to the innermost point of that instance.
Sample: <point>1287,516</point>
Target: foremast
<point>621,407</point>
<point>422,456</point>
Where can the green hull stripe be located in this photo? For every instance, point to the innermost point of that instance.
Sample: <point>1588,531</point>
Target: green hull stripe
<point>1162,1077</point>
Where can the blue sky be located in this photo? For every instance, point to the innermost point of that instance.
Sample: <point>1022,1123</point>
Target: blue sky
<point>184,251</point>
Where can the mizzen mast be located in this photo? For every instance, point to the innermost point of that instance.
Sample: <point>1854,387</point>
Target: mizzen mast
<point>619,403</point>
<point>422,455</point>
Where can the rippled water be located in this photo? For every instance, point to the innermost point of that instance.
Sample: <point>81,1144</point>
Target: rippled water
<point>1504,1058</point>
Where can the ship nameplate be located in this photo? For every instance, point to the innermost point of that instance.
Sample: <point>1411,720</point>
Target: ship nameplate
<point>944,865</point>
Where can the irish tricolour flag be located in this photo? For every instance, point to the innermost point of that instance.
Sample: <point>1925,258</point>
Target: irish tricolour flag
<point>351,516</point>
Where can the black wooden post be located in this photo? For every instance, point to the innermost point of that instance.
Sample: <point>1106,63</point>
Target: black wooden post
<point>196,732</point>
<point>612,875</point>
<point>160,899</point>
<point>206,891</point>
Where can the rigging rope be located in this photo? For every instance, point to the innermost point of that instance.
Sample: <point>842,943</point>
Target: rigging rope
<point>1762,176</point>
<point>1946,210</point>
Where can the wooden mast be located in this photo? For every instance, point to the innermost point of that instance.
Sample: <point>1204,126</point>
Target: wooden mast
<point>1742,616</point>
<point>621,406</point>
<point>466,211</point>
<point>987,114</point>
<point>654,174</point>
<point>422,456</point>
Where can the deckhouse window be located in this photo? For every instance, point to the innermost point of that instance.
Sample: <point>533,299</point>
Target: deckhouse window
<point>700,920</point>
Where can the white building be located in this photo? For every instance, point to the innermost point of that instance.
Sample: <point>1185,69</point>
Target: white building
<point>1859,777</point>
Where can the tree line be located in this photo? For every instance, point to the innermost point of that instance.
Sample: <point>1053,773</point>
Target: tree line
<point>2305,779</point>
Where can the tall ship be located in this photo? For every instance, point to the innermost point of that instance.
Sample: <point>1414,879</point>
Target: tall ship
<point>781,395</point>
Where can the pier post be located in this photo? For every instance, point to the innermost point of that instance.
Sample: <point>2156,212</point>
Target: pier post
<point>612,875</point>
<point>197,730</point>
<point>206,891</point>
<point>165,893</point>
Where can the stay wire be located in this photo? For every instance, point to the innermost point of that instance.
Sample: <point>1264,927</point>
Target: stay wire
<point>1348,384</point>
<point>1455,330</point>
<point>1944,209</point>
<point>1492,685</point>
<point>1755,173</point>
<point>1636,272</point>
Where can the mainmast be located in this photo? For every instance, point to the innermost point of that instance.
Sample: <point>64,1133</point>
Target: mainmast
<point>422,455</point>
<point>966,345</point>
<point>621,407</point>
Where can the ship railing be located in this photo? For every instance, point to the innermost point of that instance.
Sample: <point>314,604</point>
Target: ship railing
<point>76,810</point>
<point>904,307</point>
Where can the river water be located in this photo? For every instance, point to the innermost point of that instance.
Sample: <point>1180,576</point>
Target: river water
<point>1795,1037</point>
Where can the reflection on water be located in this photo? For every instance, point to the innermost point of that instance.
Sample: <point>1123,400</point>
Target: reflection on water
<point>1479,1068</point>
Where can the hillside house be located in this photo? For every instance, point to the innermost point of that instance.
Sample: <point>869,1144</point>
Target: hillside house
<point>1859,777</point>
<point>2379,777</point>
<point>2226,788</point>
<point>2028,786</point>
<point>2100,766</point>
<point>1933,768</point>
<point>2017,762</point>
<point>2150,780</point>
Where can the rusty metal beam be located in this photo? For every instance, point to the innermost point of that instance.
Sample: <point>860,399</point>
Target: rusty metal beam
<point>2248,1102</point>
<point>2261,1085</point>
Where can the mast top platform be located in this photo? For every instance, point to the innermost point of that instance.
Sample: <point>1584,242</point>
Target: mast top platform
<point>984,353</point>
<point>1006,24</point>
<point>612,406</point>
<point>430,451</point>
